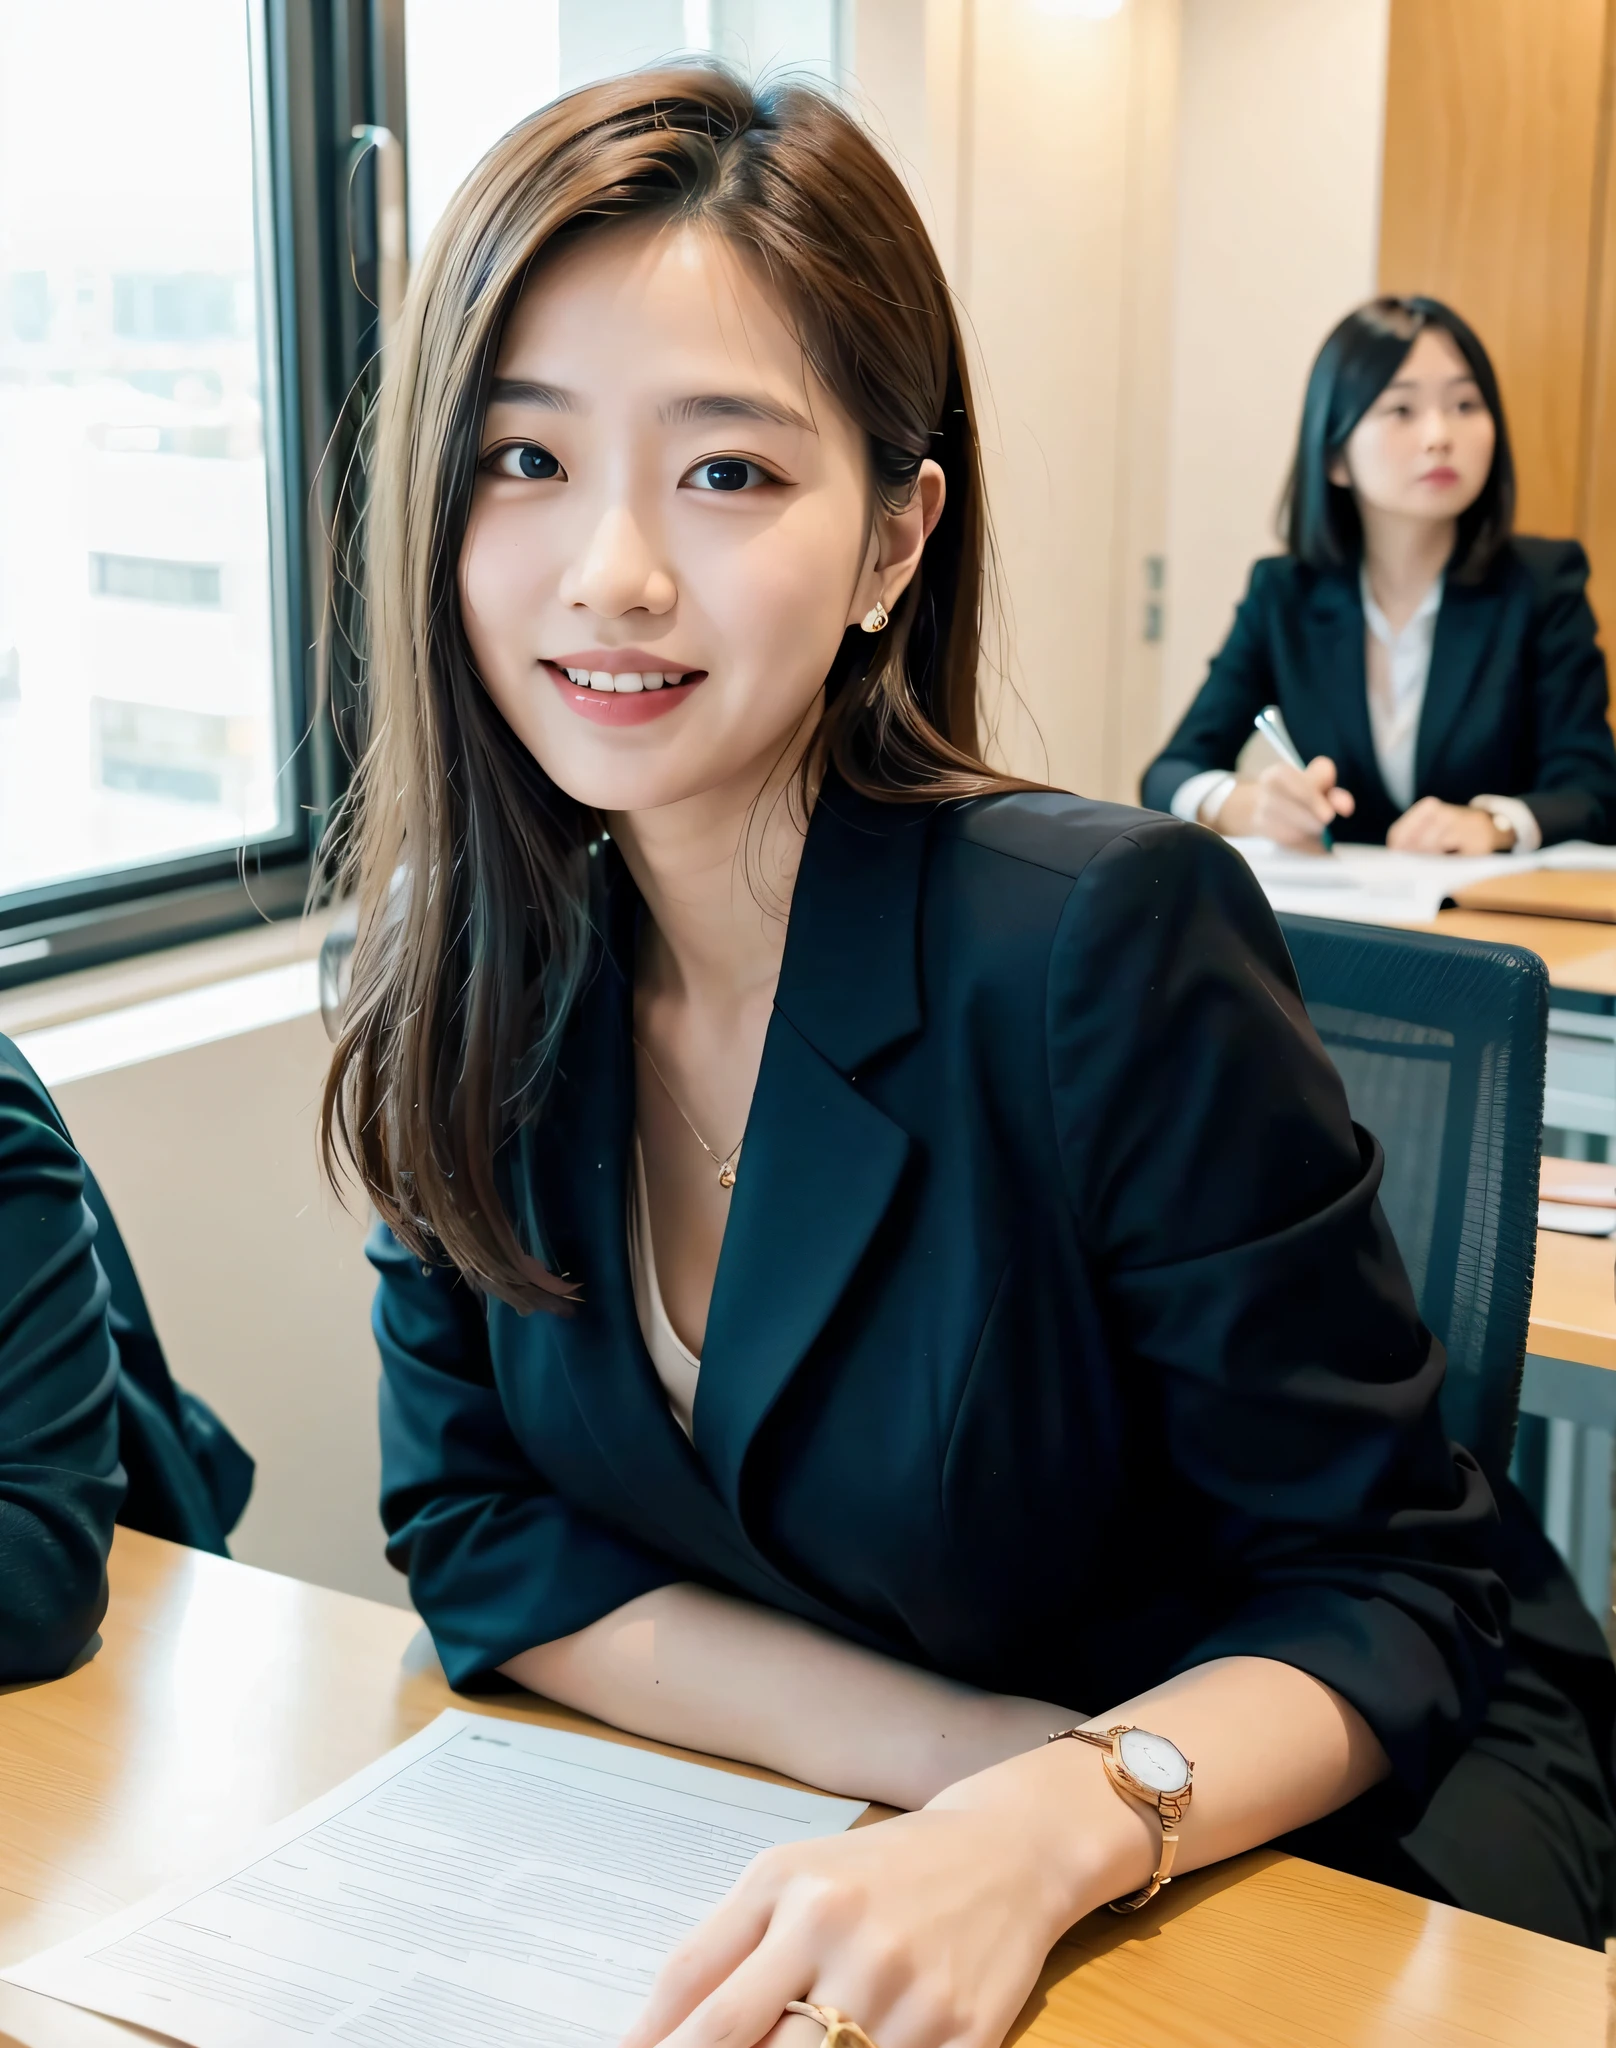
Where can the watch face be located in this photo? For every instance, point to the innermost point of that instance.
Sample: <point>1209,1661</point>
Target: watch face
<point>1154,1761</point>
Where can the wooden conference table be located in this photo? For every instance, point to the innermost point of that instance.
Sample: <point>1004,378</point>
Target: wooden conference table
<point>223,1698</point>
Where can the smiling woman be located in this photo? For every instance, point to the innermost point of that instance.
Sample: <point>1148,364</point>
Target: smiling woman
<point>876,1263</point>
<point>617,407</point>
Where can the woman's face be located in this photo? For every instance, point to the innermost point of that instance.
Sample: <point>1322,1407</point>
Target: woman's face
<point>1424,448</point>
<point>673,524</point>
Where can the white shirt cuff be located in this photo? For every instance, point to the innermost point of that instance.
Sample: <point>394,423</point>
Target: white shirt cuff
<point>1528,832</point>
<point>1199,798</point>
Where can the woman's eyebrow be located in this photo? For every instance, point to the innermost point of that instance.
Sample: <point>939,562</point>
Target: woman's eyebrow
<point>523,391</point>
<point>1413,383</point>
<point>723,405</point>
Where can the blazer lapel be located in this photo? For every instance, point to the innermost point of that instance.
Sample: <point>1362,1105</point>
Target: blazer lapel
<point>820,1165</point>
<point>1465,625</point>
<point>1341,700</point>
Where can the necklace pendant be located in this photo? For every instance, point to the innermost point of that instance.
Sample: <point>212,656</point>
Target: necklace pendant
<point>726,1175</point>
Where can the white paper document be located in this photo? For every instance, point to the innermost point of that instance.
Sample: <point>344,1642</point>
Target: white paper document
<point>488,1884</point>
<point>1376,885</point>
<point>1576,1219</point>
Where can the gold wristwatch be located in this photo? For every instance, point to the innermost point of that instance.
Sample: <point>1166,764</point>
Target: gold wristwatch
<point>1157,1773</point>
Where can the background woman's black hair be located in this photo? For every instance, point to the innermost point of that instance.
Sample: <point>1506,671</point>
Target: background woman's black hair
<point>1319,520</point>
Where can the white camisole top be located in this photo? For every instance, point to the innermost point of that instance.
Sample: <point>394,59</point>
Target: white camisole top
<point>677,1366</point>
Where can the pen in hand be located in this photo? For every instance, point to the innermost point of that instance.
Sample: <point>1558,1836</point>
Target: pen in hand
<point>1270,722</point>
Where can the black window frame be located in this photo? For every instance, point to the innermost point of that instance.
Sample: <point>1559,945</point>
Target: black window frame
<point>322,69</point>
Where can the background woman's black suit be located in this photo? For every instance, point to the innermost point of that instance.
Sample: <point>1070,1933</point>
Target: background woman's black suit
<point>1058,1341</point>
<point>1515,703</point>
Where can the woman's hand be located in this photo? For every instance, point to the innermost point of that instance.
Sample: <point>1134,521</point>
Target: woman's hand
<point>1431,826</point>
<point>929,1930</point>
<point>1292,806</point>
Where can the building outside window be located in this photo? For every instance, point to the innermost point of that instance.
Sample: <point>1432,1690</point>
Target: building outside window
<point>144,709</point>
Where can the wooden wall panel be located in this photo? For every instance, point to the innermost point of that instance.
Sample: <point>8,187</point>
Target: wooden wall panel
<point>1596,508</point>
<point>1492,154</point>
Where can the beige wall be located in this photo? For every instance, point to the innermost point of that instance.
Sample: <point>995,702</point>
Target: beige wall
<point>1151,221</point>
<point>1279,138</point>
<point>1040,146</point>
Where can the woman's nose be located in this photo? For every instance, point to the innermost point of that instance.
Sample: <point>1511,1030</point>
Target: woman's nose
<point>619,571</point>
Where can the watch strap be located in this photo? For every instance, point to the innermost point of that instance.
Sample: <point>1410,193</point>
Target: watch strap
<point>1100,1737</point>
<point>1168,1808</point>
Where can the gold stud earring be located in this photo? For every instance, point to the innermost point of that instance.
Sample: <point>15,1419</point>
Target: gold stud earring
<point>875,619</point>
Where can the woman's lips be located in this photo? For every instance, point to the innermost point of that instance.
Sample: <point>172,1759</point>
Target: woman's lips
<point>624,706</point>
<point>1442,477</point>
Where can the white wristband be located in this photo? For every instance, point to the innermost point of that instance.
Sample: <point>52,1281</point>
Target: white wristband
<point>1519,817</point>
<point>1199,798</point>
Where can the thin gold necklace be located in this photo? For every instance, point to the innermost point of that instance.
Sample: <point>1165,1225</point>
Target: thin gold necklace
<point>731,1159</point>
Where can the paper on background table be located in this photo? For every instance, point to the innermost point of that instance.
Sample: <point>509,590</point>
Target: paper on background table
<point>1375,885</point>
<point>487,1881</point>
<point>1576,1219</point>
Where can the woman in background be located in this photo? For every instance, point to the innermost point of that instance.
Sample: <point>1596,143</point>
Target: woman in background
<point>1440,677</point>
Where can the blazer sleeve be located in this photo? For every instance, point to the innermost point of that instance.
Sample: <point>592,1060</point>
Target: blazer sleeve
<point>1574,792</point>
<point>1229,1205</point>
<point>1238,684</point>
<point>60,1480</point>
<point>497,1561</point>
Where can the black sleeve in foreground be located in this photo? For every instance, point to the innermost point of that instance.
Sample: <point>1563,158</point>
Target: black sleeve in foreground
<point>60,1480</point>
<point>1230,1205</point>
<point>1218,723</point>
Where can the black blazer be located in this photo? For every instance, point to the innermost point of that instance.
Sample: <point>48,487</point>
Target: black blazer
<point>60,1481</point>
<point>92,1427</point>
<point>1057,1342</point>
<point>1515,704</point>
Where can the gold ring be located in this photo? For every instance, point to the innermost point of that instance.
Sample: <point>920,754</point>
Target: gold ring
<point>840,2031</point>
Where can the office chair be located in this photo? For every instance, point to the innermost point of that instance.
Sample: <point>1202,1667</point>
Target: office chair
<point>1440,1043</point>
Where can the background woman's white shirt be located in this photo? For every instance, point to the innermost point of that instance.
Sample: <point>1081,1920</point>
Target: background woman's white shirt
<point>1397,669</point>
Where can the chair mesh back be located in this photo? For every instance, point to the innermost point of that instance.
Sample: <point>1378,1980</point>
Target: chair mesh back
<point>1440,1043</point>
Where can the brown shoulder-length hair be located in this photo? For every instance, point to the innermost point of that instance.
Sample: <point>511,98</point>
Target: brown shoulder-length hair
<point>467,861</point>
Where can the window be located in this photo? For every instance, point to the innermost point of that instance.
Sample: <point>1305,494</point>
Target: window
<point>180,317</point>
<point>144,711</point>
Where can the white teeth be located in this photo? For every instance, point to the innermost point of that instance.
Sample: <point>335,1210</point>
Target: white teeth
<point>602,679</point>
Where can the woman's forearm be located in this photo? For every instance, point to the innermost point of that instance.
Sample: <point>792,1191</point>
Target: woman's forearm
<point>696,1668</point>
<point>932,1928</point>
<point>1272,1749</point>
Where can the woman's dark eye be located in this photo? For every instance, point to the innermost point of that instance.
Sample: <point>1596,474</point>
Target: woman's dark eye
<point>526,459</point>
<point>728,473</point>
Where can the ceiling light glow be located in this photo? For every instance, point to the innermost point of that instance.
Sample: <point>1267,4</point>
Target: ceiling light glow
<point>1082,10</point>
